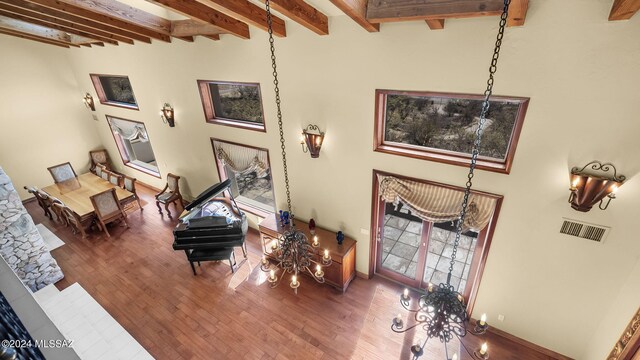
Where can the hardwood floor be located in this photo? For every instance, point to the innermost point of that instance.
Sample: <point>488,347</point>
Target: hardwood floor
<point>149,288</point>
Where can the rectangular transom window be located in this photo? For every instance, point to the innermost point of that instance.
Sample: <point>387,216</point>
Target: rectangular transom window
<point>250,173</point>
<point>442,127</point>
<point>114,90</point>
<point>232,104</point>
<point>134,145</point>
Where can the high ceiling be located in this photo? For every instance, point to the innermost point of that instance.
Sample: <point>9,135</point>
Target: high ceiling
<point>75,23</point>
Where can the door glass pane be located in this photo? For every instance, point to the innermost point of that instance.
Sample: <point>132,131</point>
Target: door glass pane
<point>439,256</point>
<point>401,240</point>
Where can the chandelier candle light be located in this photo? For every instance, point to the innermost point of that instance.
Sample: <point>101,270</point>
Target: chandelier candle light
<point>292,252</point>
<point>441,310</point>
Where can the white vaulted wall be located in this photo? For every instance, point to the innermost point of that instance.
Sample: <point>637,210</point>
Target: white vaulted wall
<point>580,71</point>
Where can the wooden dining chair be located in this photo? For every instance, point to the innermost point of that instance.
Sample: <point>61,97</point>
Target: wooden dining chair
<point>170,194</point>
<point>70,218</point>
<point>115,179</point>
<point>99,169</point>
<point>40,198</point>
<point>105,174</point>
<point>129,184</point>
<point>108,209</point>
<point>62,172</point>
<point>99,157</point>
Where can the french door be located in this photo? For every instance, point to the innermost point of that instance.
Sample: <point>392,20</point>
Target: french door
<point>415,252</point>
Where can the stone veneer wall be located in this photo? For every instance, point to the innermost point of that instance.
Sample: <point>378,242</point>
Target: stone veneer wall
<point>21,245</point>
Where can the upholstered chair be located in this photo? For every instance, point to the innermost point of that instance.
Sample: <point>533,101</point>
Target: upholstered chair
<point>72,219</point>
<point>170,194</point>
<point>41,199</point>
<point>99,157</point>
<point>115,179</point>
<point>99,169</point>
<point>129,184</point>
<point>62,172</point>
<point>105,174</point>
<point>108,209</point>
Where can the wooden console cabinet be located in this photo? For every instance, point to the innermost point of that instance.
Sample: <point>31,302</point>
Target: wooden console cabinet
<point>343,267</point>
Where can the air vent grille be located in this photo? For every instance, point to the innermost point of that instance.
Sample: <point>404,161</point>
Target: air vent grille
<point>584,230</point>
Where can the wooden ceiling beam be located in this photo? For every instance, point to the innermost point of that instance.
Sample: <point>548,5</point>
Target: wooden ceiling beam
<point>380,11</point>
<point>357,10</point>
<point>89,14</point>
<point>69,18</point>
<point>192,27</point>
<point>205,14</point>
<point>247,12</point>
<point>623,9</point>
<point>125,13</point>
<point>435,24</point>
<point>38,36</point>
<point>304,14</point>
<point>185,38</point>
<point>212,37</point>
<point>33,38</point>
<point>517,12</point>
<point>57,27</point>
<point>36,30</point>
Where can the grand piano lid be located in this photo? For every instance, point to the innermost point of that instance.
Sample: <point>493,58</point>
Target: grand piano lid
<point>213,191</point>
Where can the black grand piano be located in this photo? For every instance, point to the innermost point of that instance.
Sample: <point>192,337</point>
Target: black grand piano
<point>211,227</point>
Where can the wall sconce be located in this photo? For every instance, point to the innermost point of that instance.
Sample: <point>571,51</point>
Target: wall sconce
<point>312,139</point>
<point>88,102</point>
<point>167,115</point>
<point>593,185</point>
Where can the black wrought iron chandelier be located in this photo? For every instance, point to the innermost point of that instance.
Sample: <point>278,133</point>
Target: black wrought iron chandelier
<point>292,252</point>
<point>440,310</point>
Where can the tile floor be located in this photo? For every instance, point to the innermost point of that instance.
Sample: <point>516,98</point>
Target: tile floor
<point>400,251</point>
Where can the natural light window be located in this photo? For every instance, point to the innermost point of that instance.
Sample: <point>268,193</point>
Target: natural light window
<point>232,104</point>
<point>134,145</point>
<point>250,173</point>
<point>114,90</point>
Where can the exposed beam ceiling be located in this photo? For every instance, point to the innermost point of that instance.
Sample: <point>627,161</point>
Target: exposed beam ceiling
<point>304,14</point>
<point>89,14</point>
<point>435,24</point>
<point>624,9</point>
<point>69,18</point>
<point>380,11</point>
<point>181,28</point>
<point>205,14</point>
<point>40,31</point>
<point>357,10</point>
<point>34,38</point>
<point>125,13</point>
<point>248,12</point>
<point>69,30</point>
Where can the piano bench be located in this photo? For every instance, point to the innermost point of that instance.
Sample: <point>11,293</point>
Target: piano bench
<point>198,255</point>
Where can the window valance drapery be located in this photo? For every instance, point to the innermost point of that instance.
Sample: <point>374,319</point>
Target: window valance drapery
<point>437,204</point>
<point>242,159</point>
<point>131,132</point>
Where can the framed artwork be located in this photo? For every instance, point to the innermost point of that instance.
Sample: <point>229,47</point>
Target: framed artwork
<point>114,90</point>
<point>442,127</point>
<point>232,104</point>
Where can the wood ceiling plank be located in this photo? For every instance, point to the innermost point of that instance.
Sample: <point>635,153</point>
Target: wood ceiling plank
<point>435,24</point>
<point>46,19</point>
<point>192,27</point>
<point>357,11</point>
<point>623,9</point>
<point>57,27</point>
<point>126,13</point>
<point>34,8</point>
<point>98,44</point>
<point>304,14</point>
<point>32,29</point>
<point>212,37</point>
<point>248,12</point>
<point>380,11</point>
<point>33,38</point>
<point>205,14</point>
<point>89,14</point>
<point>185,38</point>
<point>517,12</point>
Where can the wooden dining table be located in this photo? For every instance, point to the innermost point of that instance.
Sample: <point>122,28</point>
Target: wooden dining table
<point>76,193</point>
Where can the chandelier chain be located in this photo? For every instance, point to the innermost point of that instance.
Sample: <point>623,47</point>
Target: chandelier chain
<point>476,144</point>
<point>277,91</point>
